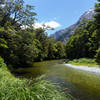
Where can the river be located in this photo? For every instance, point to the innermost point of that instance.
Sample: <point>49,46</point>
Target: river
<point>82,84</point>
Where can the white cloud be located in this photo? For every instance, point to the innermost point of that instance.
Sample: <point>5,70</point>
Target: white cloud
<point>51,24</point>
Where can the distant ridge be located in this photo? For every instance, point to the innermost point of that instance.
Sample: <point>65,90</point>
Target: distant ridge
<point>65,34</point>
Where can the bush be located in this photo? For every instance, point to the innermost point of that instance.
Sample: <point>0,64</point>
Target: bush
<point>84,60</point>
<point>97,56</point>
<point>2,64</point>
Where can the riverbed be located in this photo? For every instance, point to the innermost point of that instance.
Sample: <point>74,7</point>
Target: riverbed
<point>80,83</point>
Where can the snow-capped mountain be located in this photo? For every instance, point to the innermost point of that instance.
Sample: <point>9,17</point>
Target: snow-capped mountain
<point>65,34</point>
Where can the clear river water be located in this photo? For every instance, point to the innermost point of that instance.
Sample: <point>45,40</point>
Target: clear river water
<point>81,84</point>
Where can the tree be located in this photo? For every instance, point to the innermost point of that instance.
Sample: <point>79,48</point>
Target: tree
<point>16,12</point>
<point>18,46</point>
<point>97,10</point>
<point>3,42</point>
<point>60,50</point>
<point>82,44</point>
<point>97,56</point>
<point>52,49</point>
<point>43,38</point>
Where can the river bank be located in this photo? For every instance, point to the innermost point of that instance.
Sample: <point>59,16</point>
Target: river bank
<point>12,88</point>
<point>15,88</point>
<point>81,84</point>
<point>84,62</point>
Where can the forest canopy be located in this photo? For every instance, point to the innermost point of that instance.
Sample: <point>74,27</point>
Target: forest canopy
<point>86,40</point>
<point>22,46</point>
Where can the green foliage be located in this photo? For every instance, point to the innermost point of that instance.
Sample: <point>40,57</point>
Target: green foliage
<point>12,88</point>
<point>84,42</point>
<point>52,49</point>
<point>97,56</point>
<point>2,64</point>
<point>41,36</point>
<point>60,50</point>
<point>97,10</point>
<point>22,14</point>
<point>56,50</point>
<point>84,62</point>
<point>3,42</point>
<point>26,46</point>
<point>86,39</point>
<point>20,46</point>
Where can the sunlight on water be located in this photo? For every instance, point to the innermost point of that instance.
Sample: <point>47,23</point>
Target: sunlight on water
<point>85,68</point>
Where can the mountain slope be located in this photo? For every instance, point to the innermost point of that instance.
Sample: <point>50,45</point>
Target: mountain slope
<point>65,34</point>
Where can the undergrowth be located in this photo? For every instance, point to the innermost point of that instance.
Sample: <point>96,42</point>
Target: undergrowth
<point>85,62</point>
<point>12,88</point>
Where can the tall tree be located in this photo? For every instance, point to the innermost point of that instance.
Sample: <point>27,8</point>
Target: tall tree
<point>43,38</point>
<point>17,12</point>
<point>60,50</point>
<point>97,10</point>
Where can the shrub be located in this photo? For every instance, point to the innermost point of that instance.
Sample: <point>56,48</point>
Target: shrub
<point>97,56</point>
<point>2,64</point>
<point>84,60</point>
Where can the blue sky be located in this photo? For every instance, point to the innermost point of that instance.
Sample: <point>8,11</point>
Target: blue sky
<point>63,13</point>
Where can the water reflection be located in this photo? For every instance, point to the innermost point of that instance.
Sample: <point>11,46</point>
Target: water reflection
<point>83,85</point>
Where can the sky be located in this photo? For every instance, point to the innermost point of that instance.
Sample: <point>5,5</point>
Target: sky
<point>59,14</point>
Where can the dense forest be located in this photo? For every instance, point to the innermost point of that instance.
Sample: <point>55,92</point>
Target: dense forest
<point>20,42</point>
<point>21,45</point>
<point>85,43</point>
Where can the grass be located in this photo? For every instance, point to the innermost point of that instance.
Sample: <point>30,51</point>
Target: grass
<point>12,88</point>
<point>84,62</point>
